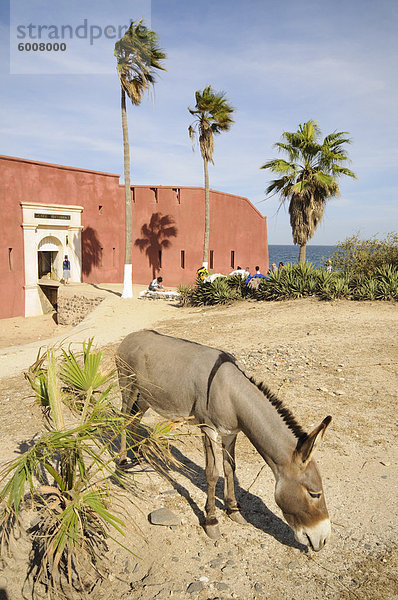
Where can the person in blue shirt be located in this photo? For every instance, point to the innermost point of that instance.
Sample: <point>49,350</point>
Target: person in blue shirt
<point>66,269</point>
<point>256,274</point>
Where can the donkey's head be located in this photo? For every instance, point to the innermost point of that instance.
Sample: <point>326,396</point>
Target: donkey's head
<point>299,493</point>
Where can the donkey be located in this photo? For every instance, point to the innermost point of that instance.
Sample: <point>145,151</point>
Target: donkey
<point>180,378</point>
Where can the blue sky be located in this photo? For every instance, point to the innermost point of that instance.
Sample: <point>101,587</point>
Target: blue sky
<point>280,64</point>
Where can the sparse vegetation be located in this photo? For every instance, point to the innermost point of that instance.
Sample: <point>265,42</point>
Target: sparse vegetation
<point>297,281</point>
<point>364,257</point>
<point>67,476</point>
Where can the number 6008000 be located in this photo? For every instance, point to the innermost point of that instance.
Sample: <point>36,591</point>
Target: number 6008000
<point>42,47</point>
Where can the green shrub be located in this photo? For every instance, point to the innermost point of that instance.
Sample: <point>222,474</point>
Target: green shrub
<point>237,283</point>
<point>185,292</point>
<point>213,292</point>
<point>293,281</point>
<point>364,257</point>
<point>332,286</point>
<point>298,281</point>
<point>383,285</point>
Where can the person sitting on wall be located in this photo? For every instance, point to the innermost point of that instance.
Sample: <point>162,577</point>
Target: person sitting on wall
<point>156,285</point>
<point>156,290</point>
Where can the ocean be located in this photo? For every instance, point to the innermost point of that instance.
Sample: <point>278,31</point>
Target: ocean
<point>317,255</point>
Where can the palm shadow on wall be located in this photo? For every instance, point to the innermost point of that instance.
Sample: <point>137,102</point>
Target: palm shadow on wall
<point>155,238</point>
<point>91,250</point>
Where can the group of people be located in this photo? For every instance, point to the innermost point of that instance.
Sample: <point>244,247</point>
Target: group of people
<point>275,268</point>
<point>203,273</point>
<point>252,280</point>
<point>156,284</point>
<point>247,276</point>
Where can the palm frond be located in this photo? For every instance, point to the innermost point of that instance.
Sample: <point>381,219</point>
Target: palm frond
<point>138,57</point>
<point>213,115</point>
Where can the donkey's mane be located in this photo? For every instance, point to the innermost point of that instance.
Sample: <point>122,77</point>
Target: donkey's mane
<point>284,412</point>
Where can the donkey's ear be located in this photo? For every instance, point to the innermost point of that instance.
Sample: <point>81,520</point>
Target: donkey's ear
<point>306,448</point>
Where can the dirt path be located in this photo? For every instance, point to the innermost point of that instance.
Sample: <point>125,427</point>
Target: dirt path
<point>111,321</point>
<point>322,358</point>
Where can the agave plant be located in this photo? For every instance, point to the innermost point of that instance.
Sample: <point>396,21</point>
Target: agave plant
<point>332,286</point>
<point>237,283</point>
<point>293,281</point>
<point>213,292</point>
<point>387,277</point>
<point>368,290</point>
<point>67,471</point>
<point>271,288</point>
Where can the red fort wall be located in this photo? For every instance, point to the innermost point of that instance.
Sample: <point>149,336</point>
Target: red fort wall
<point>168,227</point>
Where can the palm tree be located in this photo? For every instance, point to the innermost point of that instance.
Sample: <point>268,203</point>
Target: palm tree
<point>138,56</point>
<point>308,178</point>
<point>212,116</point>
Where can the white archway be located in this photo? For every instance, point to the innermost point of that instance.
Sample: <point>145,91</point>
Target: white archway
<point>50,232</point>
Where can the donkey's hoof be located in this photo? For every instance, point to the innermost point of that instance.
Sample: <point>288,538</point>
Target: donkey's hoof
<point>237,517</point>
<point>212,530</point>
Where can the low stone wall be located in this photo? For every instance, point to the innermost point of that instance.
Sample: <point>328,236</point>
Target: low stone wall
<point>149,295</point>
<point>73,308</point>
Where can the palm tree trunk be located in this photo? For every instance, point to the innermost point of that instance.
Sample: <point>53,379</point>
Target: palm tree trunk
<point>303,248</point>
<point>205,262</point>
<point>128,267</point>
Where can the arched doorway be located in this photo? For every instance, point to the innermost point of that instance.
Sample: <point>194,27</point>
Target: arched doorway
<point>49,258</point>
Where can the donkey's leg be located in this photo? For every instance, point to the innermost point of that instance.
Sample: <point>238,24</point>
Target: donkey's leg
<point>126,384</point>
<point>138,408</point>
<point>133,407</point>
<point>211,524</point>
<point>228,452</point>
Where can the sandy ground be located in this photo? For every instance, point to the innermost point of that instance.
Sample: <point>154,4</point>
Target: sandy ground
<point>321,358</point>
<point>111,321</point>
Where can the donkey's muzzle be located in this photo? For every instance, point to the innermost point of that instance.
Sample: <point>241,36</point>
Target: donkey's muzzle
<point>315,537</point>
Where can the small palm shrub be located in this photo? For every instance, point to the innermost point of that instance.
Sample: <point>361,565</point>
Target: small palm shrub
<point>67,471</point>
